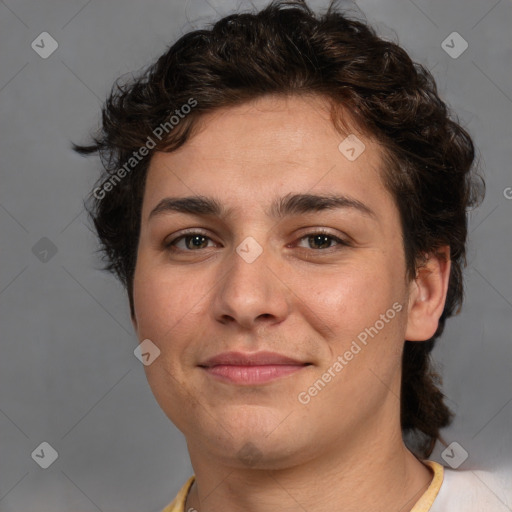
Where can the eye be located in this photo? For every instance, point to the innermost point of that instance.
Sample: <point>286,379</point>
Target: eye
<point>195,240</point>
<point>322,240</point>
<point>192,241</point>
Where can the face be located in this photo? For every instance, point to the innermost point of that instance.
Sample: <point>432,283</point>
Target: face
<point>317,283</point>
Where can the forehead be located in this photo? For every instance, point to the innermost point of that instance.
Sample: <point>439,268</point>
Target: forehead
<point>274,145</point>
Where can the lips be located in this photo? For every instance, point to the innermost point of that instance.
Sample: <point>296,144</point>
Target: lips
<point>248,359</point>
<point>251,368</point>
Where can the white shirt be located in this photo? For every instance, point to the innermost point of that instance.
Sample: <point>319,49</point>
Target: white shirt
<point>472,491</point>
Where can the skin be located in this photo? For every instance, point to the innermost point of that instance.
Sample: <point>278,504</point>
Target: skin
<point>343,450</point>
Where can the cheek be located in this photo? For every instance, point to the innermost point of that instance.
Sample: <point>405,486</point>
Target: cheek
<point>360,311</point>
<point>160,300</point>
<point>340,304</point>
<point>165,314</point>
<point>171,309</point>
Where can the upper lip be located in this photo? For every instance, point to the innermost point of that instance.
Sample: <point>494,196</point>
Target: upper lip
<point>250,359</point>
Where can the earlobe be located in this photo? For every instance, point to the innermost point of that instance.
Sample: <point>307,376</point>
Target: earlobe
<point>428,295</point>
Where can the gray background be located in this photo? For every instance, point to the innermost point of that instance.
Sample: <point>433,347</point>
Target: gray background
<point>68,375</point>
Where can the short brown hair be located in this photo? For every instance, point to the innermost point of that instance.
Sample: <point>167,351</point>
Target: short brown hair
<point>286,49</point>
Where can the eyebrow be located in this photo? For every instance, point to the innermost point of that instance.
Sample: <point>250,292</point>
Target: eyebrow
<point>289,205</point>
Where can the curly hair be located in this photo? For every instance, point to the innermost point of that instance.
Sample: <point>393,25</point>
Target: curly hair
<point>287,49</point>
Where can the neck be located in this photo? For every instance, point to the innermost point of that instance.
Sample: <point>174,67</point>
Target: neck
<point>385,476</point>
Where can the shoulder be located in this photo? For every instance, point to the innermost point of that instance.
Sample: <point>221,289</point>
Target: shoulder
<point>470,491</point>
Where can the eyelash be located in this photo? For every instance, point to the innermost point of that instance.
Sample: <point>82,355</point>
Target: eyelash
<point>171,244</point>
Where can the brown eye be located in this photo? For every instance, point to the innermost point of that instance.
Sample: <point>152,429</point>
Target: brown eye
<point>322,240</point>
<point>191,242</point>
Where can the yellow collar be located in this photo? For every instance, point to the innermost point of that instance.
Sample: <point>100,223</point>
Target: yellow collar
<point>422,505</point>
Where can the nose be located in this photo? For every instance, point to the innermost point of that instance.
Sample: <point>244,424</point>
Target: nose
<point>252,292</point>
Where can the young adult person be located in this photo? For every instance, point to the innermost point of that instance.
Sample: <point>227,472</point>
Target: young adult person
<point>285,201</point>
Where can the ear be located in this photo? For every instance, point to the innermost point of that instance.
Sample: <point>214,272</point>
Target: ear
<point>427,295</point>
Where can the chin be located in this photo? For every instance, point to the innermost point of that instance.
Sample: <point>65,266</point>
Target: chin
<point>265,449</point>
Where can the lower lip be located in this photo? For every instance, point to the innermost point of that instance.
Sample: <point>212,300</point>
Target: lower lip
<point>252,374</point>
